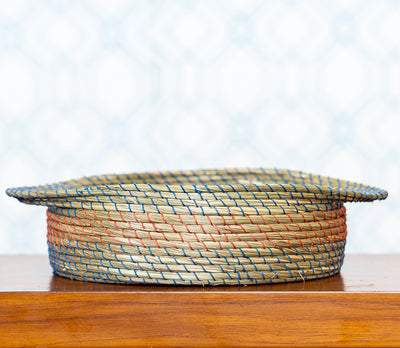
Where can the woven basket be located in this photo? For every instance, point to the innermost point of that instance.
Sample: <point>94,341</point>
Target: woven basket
<point>203,227</point>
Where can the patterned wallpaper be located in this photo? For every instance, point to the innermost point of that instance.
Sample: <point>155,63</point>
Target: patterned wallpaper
<point>91,87</point>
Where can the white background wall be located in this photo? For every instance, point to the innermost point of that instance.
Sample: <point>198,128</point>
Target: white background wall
<point>92,87</point>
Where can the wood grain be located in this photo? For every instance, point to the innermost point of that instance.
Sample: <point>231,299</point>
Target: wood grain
<point>70,313</point>
<point>201,319</point>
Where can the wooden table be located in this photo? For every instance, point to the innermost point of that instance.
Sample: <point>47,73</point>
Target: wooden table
<point>359,308</point>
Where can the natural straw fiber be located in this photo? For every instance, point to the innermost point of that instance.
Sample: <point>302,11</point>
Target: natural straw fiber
<point>203,227</point>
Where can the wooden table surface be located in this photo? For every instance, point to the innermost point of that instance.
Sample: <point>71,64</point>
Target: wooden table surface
<point>358,308</point>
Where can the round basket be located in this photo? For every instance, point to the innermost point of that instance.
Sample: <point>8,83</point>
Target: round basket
<point>202,227</point>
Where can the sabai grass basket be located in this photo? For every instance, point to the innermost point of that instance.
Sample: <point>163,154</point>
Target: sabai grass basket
<point>203,227</point>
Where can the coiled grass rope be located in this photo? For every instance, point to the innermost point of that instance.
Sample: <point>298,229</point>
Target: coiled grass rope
<point>202,227</point>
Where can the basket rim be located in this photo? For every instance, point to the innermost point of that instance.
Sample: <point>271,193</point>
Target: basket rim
<point>342,190</point>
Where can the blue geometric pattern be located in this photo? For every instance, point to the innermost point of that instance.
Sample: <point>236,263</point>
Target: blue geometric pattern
<point>92,87</point>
